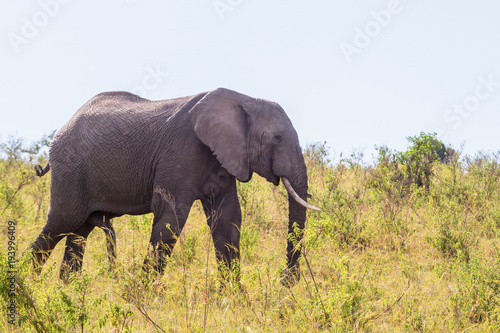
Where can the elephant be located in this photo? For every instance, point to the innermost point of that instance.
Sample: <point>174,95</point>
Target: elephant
<point>123,154</point>
<point>96,219</point>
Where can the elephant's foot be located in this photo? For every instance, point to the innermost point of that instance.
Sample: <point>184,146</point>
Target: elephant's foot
<point>39,257</point>
<point>290,276</point>
<point>69,269</point>
<point>38,260</point>
<point>64,274</point>
<point>153,267</point>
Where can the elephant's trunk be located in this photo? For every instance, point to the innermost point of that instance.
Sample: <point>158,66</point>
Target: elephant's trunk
<point>297,196</point>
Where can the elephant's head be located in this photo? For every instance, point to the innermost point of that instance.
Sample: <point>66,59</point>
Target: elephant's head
<point>252,135</point>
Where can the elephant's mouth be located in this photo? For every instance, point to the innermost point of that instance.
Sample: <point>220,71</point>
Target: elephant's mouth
<point>275,180</point>
<point>270,174</point>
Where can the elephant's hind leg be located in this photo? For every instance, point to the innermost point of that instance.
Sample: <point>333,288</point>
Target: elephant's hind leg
<point>42,248</point>
<point>56,228</point>
<point>73,253</point>
<point>103,221</point>
<point>110,241</point>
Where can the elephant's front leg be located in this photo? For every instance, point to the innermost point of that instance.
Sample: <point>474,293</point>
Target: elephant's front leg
<point>168,223</point>
<point>224,219</point>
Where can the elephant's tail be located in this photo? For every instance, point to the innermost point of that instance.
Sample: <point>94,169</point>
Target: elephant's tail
<point>42,171</point>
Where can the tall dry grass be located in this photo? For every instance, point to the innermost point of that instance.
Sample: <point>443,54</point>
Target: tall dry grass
<point>384,255</point>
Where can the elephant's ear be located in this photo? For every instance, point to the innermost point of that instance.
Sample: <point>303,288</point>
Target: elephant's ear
<point>220,122</point>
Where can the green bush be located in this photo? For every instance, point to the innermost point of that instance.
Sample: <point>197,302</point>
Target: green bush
<point>415,165</point>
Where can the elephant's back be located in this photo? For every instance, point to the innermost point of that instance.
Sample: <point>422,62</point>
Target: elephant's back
<point>111,143</point>
<point>119,119</point>
<point>100,151</point>
<point>100,124</point>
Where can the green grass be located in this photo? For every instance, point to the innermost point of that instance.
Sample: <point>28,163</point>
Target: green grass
<point>384,255</point>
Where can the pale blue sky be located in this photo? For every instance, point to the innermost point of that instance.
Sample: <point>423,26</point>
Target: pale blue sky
<point>352,73</point>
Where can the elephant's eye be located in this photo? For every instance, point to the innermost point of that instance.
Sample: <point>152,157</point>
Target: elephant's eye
<point>278,138</point>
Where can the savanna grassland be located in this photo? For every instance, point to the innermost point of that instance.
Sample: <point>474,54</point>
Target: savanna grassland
<point>409,243</point>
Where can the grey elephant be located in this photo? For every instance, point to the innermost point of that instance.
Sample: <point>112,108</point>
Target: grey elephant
<point>96,219</point>
<point>122,154</point>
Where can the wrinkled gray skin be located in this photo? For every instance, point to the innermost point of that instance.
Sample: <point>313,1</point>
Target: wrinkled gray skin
<point>96,219</point>
<point>122,154</point>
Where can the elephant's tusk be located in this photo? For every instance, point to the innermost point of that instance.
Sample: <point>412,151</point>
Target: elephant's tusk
<point>294,195</point>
